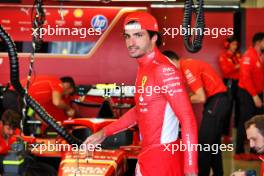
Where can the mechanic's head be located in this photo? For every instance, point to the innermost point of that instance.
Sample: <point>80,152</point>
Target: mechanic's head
<point>258,42</point>
<point>231,44</point>
<point>68,85</point>
<point>141,33</point>
<point>173,57</point>
<point>255,133</point>
<point>10,120</point>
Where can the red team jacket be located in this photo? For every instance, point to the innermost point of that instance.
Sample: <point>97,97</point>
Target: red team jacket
<point>262,165</point>
<point>158,116</point>
<point>200,74</point>
<point>6,146</point>
<point>227,63</point>
<point>251,77</point>
<point>41,88</point>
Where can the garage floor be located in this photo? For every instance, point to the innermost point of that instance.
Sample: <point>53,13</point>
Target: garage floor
<point>231,165</point>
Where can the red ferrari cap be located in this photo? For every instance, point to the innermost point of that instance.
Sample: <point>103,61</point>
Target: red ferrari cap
<point>144,20</point>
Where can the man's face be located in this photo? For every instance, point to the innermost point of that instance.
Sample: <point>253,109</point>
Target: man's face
<point>7,132</point>
<point>260,45</point>
<point>233,46</point>
<point>256,140</point>
<point>176,63</point>
<point>138,42</point>
<point>67,89</point>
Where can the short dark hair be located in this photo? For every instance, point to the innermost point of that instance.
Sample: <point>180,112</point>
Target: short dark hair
<point>11,118</point>
<point>257,37</point>
<point>68,79</point>
<point>258,121</point>
<point>231,39</point>
<point>171,55</point>
<point>159,39</point>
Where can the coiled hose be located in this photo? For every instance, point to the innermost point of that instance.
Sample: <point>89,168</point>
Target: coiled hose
<point>193,42</point>
<point>14,76</point>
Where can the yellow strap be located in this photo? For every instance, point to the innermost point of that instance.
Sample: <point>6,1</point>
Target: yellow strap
<point>105,86</point>
<point>52,133</point>
<point>30,112</point>
<point>10,162</point>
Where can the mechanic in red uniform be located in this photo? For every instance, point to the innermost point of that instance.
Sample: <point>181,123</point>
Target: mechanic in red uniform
<point>53,94</point>
<point>159,113</point>
<point>229,65</point>
<point>8,125</point>
<point>206,87</point>
<point>255,134</point>
<point>251,87</point>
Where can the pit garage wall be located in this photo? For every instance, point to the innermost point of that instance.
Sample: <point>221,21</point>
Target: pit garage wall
<point>110,63</point>
<point>253,23</point>
<point>212,45</point>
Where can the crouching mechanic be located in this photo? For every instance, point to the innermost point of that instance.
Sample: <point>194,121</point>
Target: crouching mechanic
<point>8,125</point>
<point>158,115</point>
<point>255,134</point>
<point>8,128</point>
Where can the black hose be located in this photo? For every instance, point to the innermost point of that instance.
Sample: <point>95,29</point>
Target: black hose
<point>14,76</point>
<point>193,42</point>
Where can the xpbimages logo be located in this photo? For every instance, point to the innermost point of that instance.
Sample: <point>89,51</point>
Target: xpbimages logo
<point>63,31</point>
<point>58,147</point>
<point>214,148</point>
<point>213,32</point>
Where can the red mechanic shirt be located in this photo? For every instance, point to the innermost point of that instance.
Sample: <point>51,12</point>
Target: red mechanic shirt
<point>200,74</point>
<point>262,165</point>
<point>251,75</point>
<point>41,88</point>
<point>227,63</point>
<point>5,146</point>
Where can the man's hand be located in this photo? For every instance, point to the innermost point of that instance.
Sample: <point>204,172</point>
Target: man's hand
<point>191,174</point>
<point>257,101</point>
<point>198,96</point>
<point>96,138</point>
<point>238,173</point>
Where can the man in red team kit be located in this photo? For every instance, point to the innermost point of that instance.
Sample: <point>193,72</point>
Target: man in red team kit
<point>229,65</point>
<point>251,87</point>
<point>8,125</point>
<point>158,115</point>
<point>53,94</point>
<point>206,87</point>
<point>255,134</point>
